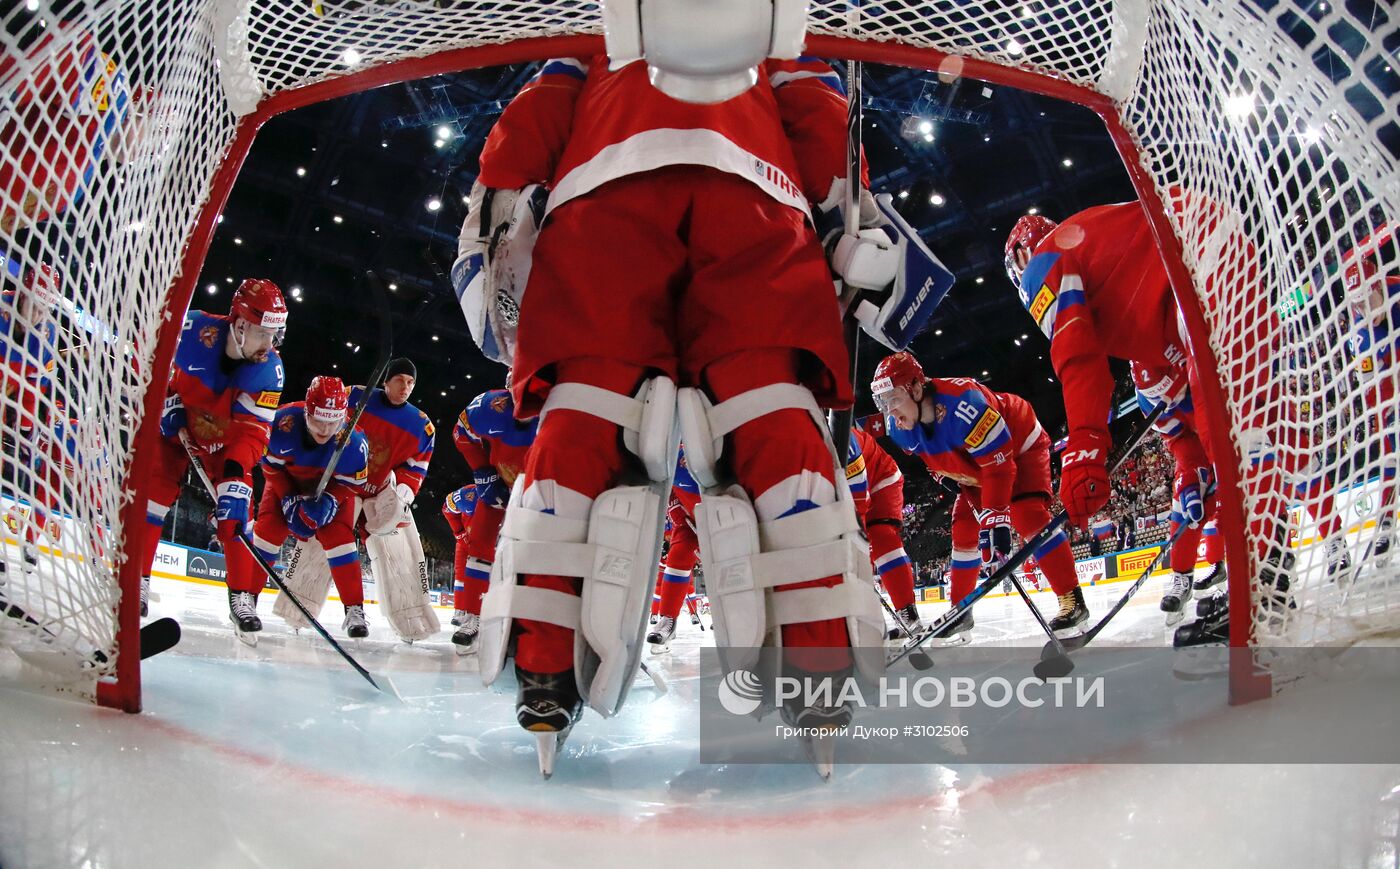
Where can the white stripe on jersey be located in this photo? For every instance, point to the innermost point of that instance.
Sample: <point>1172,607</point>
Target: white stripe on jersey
<point>250,404</point>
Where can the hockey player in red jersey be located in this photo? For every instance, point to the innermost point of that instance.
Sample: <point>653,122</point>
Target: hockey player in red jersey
<point>495,446</point>
<point>59,124</point>
<point>457,509</point>
<point>400,438</point>
<point>674,579</point>
<point>225,386</point>
<point>29,340</point>
<point>678,251</point>
<point>878,489</point>
<point>1192,505</point>
<point>1096,285</point>
<point>992,446</point>
<point>304,439</point>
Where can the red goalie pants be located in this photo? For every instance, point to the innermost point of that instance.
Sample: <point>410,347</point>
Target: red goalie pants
<point>781,460</point>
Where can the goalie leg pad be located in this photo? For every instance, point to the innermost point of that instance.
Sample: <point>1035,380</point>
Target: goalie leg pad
<point>613,551</point>
<point>401,573</point>
<point>308,576</point>
<point>745,559</point>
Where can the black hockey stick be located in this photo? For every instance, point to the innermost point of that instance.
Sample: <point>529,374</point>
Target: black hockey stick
<point>272,571</point>
<point>386,354</point>
<point>920,660</point>
<point>839,421</point>
<point>156,637</point>
<point>1084,639</point>
<point>1060,664</point>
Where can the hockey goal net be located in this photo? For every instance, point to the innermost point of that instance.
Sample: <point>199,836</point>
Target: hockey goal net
<point>1262,137</point>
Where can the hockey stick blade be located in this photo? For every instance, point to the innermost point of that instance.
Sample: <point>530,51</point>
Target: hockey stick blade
<point>159,636</point>
<point>271,573</point>
<point>1074,644</point>
<point>1059,520</point>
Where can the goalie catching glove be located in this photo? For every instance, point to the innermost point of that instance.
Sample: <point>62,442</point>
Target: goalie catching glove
<point>902,282</point>
<point>493,263</point>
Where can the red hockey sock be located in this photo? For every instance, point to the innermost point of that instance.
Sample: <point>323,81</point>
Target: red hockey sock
<point>673,594</point>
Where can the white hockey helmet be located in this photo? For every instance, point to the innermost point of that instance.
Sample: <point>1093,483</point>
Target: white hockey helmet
<point>703,51</point>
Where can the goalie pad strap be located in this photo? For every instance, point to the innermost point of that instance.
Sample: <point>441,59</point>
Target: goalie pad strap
<point>538,604</point>
<point>618,409</point>
<point>785,566</point>
<point>817,604</point>
<point>808,528</point>
<point>554,559</point>
<point>543,527</point>
<point>748,406</point>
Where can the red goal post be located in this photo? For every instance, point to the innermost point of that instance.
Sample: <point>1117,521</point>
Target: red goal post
<point>1262,142</point>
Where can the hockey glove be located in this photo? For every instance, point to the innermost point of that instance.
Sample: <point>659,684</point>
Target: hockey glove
<point>493,263</point>
<point>305,516</point>
<point>405,494</point>
<point>490,490</point>
<point>232,498</point>
<point>867,260</point>
<point>1084,487</point>
<point>1191,495</point>
<point>173,417</point>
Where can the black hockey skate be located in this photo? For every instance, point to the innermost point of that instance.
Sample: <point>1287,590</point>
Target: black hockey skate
<point>1072,614</point>
<point>145,595</point>
<point>1214,578</point>
<point>1379,550</point>
<point>464,639</point>
<point>660,637</point>
<point>1175,598</point>
<point>355,626</point>
<point>909,622</point>
<point>243,612</point>
<point>457,616</point>
<point>819,724</point>
<point>548,705</point>
<point>959,633</point>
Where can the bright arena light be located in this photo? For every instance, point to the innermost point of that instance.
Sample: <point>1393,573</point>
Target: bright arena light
<point>1014,47</point>
<point>925,127</point>
<point>1239,105</point>
<point>434,204</point>
<point>444,132</point>
<point>350,57</point>
<point>937,199</point>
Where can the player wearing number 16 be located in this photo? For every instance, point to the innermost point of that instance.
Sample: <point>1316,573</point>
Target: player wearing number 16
<point>992,446</point>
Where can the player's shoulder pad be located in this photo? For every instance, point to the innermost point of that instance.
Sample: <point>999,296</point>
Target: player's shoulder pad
<point>355,459</point>
<point>1035,294</point>
<point>265,376</point>
<point>491,410</point>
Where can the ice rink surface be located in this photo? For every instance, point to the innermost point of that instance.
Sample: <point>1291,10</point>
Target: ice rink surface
<point>280,755</point>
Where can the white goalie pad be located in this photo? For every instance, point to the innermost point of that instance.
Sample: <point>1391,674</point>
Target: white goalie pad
<point>384,512</point>
<point>744,559</point>
<point>308,576</point>
<point>401,574</point>
<point>614,552</point>
<point>704,424</point>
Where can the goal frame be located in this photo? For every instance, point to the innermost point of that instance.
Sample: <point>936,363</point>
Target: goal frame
<point>124,690</point>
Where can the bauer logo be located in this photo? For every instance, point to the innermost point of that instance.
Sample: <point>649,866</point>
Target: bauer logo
<point>740,692</point>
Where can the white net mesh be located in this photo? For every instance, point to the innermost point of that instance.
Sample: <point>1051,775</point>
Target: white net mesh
<point>1264,126</point>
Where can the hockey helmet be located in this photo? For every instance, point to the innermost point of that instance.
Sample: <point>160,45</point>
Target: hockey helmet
<point>703,52</point>
<point>43,284</point>
<point>898,371</point>
<point>1025,237</point>
<point>327,406</point>
<point>259,301</point>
